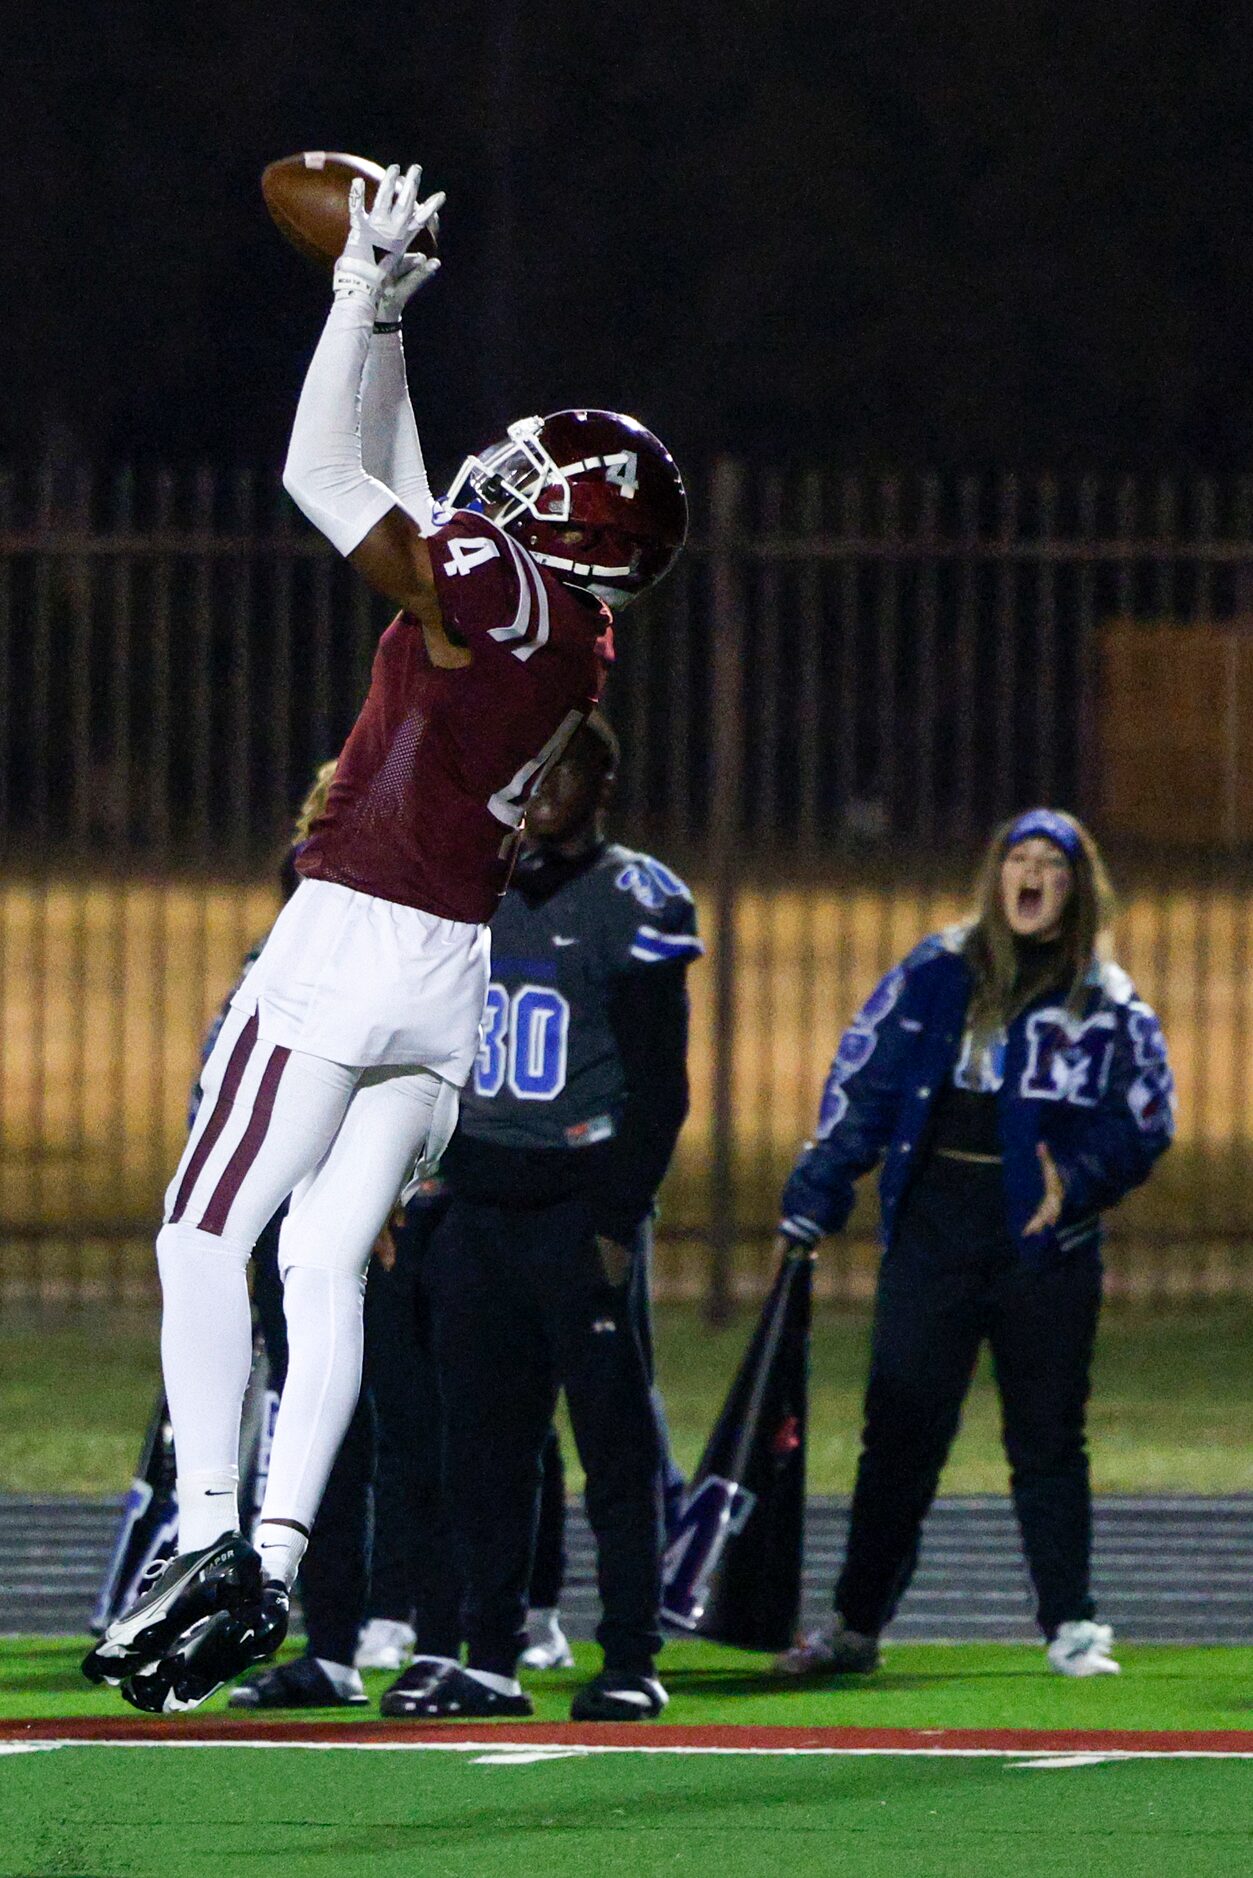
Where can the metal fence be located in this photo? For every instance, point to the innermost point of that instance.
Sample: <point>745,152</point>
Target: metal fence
<point>823,711</point>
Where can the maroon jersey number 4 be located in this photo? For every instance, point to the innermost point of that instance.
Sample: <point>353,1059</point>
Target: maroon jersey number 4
<point>431,786</point>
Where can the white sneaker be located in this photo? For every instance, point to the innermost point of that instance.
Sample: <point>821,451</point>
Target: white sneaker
<point>385,1643</point>
<point>834,1650</point>
<point>1082,1649</point>
<point>550,1648</point>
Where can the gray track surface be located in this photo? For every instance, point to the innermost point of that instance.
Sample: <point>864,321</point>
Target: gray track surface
<point>1174,1570</point>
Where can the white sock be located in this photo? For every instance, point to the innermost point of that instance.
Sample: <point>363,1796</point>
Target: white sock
<point>343,1678</point>
<point>208,1506</point>
<point>323,1312</point>
<point>503,1685</point>
<point>281,1548</point>
<point>206,1356</point>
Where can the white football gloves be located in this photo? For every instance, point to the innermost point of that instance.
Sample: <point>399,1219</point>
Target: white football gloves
<point>375,266</point>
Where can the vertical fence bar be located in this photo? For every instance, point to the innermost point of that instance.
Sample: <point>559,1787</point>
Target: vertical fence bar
<point>680,817</point>
<point>724,826</point>
<point>79,583</point>
<point>238,630</point>
<point>846,714</point>
<point>120,626</point>
<point>764,787</point>
<point>160,633</point>
<point>1004,651</point>
<point>1088,782</point>
<point>927,660</point>
<point>47,579</point>
<point>966,661</point>
<point>72,1063</point>
<point>1044,675</point>
<point>887,628</point>
<point>6,654</point>
<point>201,716</point>
<point>161,717</point>
<point>47,571</point>
<point>319,641</point>
<point>7,651</point>
<point>635,716</point>
<point>809,666</point>
<point>278,638</point>
<point>1165,529</point>
<point>1126,511</point>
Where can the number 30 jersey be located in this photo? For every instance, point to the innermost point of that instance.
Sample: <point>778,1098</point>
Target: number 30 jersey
<point>580,952</point>
<point>431,786</point>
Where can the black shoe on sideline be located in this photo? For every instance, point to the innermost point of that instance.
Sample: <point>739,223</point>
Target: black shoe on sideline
<point>616,1697</point>
<point>183,1591</point>
<point>302,1683</point>
<point>211,1653</point>
<point>432,1687</point>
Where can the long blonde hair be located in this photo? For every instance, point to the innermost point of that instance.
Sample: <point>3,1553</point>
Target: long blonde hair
<point>1005,982</point>
<point>314,802</point>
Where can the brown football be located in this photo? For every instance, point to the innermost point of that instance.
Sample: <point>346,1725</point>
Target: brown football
<point>307,195</point>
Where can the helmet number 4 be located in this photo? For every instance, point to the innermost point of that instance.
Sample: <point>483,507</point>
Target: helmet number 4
<point>622,469</point>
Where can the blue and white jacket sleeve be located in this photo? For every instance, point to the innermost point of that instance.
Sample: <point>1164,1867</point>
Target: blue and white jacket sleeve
<point>1132,1125</point>
<point>857,1119</point>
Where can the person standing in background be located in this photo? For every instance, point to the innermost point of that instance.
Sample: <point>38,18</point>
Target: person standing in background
<point>538,1273</point>
<point>1013,1086</point>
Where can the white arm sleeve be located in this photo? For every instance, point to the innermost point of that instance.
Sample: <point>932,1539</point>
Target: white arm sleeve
<point>390,448</point>
<point>324,474</point>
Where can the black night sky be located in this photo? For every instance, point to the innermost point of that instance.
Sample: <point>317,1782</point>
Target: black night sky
<point>1012,232</point>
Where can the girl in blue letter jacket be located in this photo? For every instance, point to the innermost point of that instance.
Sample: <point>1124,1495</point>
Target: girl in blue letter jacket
<point>1012,1085</point>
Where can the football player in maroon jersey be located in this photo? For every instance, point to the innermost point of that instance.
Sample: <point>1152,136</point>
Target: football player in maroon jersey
<point>336,1076</point>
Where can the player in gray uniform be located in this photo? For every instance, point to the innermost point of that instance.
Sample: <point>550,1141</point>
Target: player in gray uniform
<point>568,1125</point>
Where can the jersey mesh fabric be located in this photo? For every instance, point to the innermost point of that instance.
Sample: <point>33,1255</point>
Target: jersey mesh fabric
<point>549,1072</point>
<point>432,780</point>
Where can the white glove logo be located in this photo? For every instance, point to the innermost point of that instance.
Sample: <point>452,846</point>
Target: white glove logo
<point>375,264</point>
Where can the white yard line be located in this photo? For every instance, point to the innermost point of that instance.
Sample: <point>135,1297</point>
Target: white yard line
<point>510,1754</point>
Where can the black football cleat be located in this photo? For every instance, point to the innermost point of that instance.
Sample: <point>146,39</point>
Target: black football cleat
<point>184,1590</point>
<point>614,1697</point>
<point>211,1653</point>
<point>302,1683</point>
<point>433,1686</point>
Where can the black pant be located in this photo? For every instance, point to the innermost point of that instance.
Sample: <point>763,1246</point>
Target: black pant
<point>380,1545</point>
<point>548,1568</point>
<point>952,1277</point>
<point>522,1307</point>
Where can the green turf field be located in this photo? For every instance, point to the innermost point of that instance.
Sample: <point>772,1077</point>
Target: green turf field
<point>1169,1402</point>
<point>921,1685</point>
<point>142,1812</point>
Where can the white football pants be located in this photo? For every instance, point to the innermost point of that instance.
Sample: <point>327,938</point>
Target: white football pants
<point>341,1141</point>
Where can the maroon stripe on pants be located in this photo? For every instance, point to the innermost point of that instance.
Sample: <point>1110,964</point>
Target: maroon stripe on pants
<point>218,1120</point>
<point>218,1210</point>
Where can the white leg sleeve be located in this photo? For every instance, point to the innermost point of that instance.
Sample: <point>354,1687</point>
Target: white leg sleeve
<point>324,1340</point>
<point>335,1217</point>
<point>206,1354</point>
<point>390,449</point>
<point>324,474</point>
<point>267,1118</point>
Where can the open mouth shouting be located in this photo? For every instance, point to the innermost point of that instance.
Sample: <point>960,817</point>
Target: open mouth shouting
<point>1036,881</point>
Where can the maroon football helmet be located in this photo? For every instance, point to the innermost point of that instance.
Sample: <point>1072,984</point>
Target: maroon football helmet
<point>592,494</point>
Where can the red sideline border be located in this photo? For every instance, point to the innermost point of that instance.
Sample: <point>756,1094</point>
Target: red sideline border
<point>727,1736</point>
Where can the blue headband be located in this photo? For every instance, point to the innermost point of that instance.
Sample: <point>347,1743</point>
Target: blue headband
<point>1049,825</point>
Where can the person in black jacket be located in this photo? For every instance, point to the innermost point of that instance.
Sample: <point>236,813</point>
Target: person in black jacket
<point>538,1272</point>
<point>1013,1086</point>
